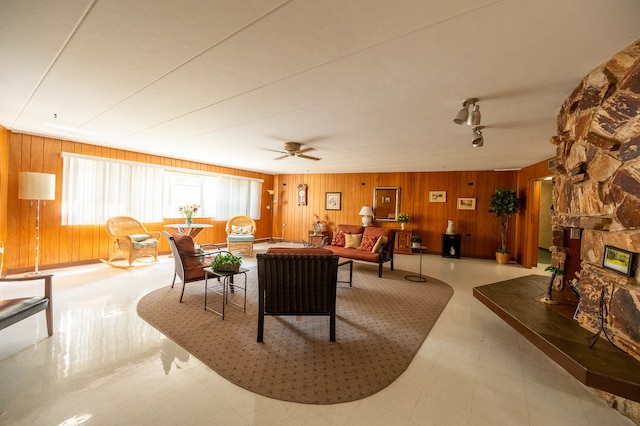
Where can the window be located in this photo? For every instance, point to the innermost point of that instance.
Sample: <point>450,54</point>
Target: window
<point>95,189</point>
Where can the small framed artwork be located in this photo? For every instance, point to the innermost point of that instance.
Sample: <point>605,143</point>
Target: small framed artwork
<point>437,196</point>
<point>333,201</point>
<point>466,203</point>
<point>618,260</point>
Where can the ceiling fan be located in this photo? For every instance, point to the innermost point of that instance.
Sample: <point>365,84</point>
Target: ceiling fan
<point>292,149</point>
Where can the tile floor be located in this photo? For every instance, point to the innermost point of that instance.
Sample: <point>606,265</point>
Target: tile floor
<point>106,366</point>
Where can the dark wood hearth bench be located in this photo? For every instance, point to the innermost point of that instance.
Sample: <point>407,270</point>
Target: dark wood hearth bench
<point>562,339</point>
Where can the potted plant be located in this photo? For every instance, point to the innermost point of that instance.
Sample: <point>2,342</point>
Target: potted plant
<point>504,203</point>
<point>416,240</point>
<point>402,219</point>
<point>555,271</point>
<point>226,262</point>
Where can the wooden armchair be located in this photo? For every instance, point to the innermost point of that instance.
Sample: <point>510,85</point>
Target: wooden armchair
<point>297,282</point>
<point>240,234</point>
<point>14,310</point>
<point>131,239</point>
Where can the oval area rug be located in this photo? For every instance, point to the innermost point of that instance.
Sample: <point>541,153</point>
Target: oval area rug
<point>380,324</point>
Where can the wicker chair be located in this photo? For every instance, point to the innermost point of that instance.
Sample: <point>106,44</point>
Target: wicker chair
<point>131,239</point>
<point>297,282</point>
<point>240,234</point>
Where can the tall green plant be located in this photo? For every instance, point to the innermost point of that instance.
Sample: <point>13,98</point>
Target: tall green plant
<point>504,203</point>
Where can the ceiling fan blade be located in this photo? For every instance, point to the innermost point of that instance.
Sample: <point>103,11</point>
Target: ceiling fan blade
<point>308,157</point>
<point>302,151</point>
<point>275,150</point>
<point>280,158</point>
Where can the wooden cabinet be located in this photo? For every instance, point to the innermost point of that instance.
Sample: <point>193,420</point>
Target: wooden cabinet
<point>451,245</point>
<point>315,238</point>
<point>403,242</point>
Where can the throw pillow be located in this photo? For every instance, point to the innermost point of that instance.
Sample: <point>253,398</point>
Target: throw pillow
<point>139,237</point>
<point>379,243</point>
<point>338,239</point>
<point>352,240</point>
<point>368,242</point>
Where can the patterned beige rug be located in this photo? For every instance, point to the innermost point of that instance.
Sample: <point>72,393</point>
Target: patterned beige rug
<point>381,323</point>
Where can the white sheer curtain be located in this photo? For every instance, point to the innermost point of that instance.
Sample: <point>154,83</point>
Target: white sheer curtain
<point>94,190</point>
<point>238,197</point>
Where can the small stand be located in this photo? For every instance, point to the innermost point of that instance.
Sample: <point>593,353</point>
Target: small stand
<point>602,328</point>
<point>418,278</point>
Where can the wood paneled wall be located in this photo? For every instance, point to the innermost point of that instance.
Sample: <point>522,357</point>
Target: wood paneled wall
<point>65,245</point>
<point>4,185</point>
<point>479,228</point>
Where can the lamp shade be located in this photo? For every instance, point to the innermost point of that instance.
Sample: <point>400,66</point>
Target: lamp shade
<point>36,186</point>
<point>366,211</point>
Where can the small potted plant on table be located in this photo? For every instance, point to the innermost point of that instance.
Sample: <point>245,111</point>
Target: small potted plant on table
<point>226,262</point>
<point>416,240</point>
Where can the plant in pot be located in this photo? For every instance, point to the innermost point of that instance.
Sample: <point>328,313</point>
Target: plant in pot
<point>415,241</point>
<point>226,262</point>
<point>504,203</point>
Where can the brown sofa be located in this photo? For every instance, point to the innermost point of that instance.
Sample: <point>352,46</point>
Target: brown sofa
<point>365,247</point>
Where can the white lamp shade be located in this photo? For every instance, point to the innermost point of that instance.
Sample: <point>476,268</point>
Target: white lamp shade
<point>366,211</point>
<point>36,186</point>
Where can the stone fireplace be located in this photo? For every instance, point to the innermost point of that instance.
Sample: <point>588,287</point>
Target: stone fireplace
<point>597,194</point>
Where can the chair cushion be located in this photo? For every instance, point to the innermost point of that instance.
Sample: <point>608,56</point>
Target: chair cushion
<point>351,229</point>
<point>368,242</point>
<point>353,240</point>
<point>145,244</point>
<point>236,229</point>
<point>285,250</point>
<point>185,246</point>
<point>237,238</point>
<point>338,239</point>
<point>139,237</point>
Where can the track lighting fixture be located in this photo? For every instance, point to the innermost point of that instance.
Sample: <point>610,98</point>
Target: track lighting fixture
<point>463,116</point>
<point>477,140</point>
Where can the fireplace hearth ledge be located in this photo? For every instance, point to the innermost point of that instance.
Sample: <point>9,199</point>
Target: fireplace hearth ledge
<point>562,339</point>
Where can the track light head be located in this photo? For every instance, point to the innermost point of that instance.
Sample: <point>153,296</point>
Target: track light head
<point>474,117</point>
<point>477,140</point>
<point>463,115</point>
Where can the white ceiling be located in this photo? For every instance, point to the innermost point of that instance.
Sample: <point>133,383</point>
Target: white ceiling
<point>371,85</point>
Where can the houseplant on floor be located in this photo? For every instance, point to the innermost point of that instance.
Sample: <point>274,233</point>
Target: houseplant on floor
<point>504,203</point>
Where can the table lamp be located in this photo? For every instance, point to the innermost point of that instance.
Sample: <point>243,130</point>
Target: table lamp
<point>367,214</point>
<point>38,187</point>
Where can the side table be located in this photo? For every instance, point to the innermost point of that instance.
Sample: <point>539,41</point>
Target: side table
<point>227,280</point>
<point>418,278</point>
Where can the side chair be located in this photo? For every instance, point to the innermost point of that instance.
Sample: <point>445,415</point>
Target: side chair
<point>189,263</point>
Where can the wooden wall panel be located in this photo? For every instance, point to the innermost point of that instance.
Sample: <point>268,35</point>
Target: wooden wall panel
<point>4,186</point>
<point>73,244</point>
<point>478,227</point>
<point>63,245</point>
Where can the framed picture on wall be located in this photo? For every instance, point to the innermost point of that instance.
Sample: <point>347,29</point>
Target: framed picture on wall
<point>333,201</point>
<point>466,203</point>
<point>618,260</point>
<point>437,196</point>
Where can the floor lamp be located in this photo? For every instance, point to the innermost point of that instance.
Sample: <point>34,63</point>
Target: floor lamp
<point>270,207</point>
<point>39,187</point>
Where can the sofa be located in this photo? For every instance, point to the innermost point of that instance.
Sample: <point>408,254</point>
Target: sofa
<point>297,282</point>
<point>366,243</point>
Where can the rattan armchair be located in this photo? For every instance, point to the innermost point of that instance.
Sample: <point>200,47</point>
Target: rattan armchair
<point>131,240</point>
<point>240,234</point>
